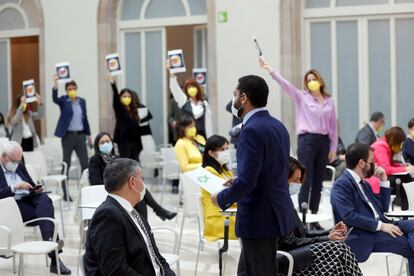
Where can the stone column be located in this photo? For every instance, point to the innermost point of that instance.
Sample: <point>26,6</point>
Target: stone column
<point>291,60</point>
<point>107,44</point>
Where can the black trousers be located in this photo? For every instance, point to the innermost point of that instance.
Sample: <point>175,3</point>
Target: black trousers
<point>128,149</point>
<point>149,200</point>
<point>313,151</point>
<point>258,257</point>
<point>27,144</point>
<point>75,142</point>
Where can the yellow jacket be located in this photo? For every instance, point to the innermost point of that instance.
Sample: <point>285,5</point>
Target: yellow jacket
<point>188,155</point>
<point>213,219</point>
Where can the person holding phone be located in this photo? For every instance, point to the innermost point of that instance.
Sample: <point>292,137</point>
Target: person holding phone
<point>316,253</point>
<point>316,128</point>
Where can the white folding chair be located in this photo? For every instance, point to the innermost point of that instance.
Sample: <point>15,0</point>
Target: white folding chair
<point>33,171</point>
<point>290,259</point>
<point>171,169</point>
<point>327,184</point>
<point>12,237</point>
<point>89,195</point>
<point>409,190</point>
<point>173,257</point>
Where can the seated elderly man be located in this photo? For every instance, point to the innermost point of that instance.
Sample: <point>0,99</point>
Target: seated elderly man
<point>16,182</point>
<point>354,203</point>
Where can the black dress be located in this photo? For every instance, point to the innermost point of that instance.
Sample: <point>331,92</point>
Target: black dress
<point>127,132</point>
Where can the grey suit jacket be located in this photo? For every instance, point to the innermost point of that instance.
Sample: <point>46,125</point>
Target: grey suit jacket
<point>17,124</point>
<point>366,135</point>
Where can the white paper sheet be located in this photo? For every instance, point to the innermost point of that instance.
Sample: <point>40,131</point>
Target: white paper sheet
<point>206,180</point>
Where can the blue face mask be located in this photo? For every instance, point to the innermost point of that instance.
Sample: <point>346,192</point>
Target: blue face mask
<point>106,148</point>
<point>294,188</point>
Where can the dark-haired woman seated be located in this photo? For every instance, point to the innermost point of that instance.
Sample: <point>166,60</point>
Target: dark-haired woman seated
<point>104,153</point>
<point>325,255</point>
<point>216,157</point>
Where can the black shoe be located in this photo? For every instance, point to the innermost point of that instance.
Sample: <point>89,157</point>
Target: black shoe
<point>63,269</point>
<point>165,214</point>
<point>65,198</point>
<point>174,190</point>
<point>316,226</point>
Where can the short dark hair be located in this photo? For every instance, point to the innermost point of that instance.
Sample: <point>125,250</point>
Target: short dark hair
<point>411,123</point>
<point>184,122</point>
<point>73,83</point>
<point>356,152</point>
<point>294,164</point>
<point>255,88</point>
<point>118,172</point>
<point>376,116</point>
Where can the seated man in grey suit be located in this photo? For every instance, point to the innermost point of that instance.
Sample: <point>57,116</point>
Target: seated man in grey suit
<point>119,241</point>
<point>369,133</point>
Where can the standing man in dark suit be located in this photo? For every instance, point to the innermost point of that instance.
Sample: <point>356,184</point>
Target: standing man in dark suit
<point>119,241</point>
<point>369,133</point>
<point>16,182</point>
<point>354,203</point>
<point>72,126</point>
<point>264,208</point>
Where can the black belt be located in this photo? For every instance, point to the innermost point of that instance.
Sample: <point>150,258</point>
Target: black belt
<point>74,132</point>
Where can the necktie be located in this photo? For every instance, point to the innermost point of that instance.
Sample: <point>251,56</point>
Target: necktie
<point>150,245</point>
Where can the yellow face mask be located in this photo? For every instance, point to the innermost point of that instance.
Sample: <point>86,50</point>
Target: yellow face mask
<point>126,100</point>
<point>73,93</point>
<point>412,134</point>
<point>24,107</point>
<point>314,85</point>
<point>397,148</point>
<point>191,132</point>
<point>192,91</point>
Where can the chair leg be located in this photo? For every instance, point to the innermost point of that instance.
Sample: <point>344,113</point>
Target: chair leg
<point>198,257</point>
<point>224,263</point>
<point>178,268</point>
<point>14,263</point>
<point>21,265</point>
<point>57,261</point>
<point>402,266</point>
<point>61,218</point>
<point>47,260</point>
<point>180,236</point>
<point>388,268</point>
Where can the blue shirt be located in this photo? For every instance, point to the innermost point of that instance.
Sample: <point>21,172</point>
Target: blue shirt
<point>76,123</point>
<point>12,179</point>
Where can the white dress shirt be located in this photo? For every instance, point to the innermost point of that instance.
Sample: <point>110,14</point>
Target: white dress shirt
<point>251,113</point>
<point>128,208</point>
<point>385,184</point>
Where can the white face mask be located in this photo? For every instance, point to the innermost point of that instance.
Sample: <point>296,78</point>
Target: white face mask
<point>142,193</point>
<point>234,110</point>
<point>223,157</point>
<point>11,166</point>
<point>294,188</point>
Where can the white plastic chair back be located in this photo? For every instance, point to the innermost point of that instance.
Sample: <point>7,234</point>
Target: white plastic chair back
<point>85,178</point>
<point>52,152</point>
<point>36,158</point>
<point>91,194</point>
<point>171,168</point>
<point>33,171</point>
<point>191,194</point>
<point>201,214</point>
<point>409,189</point>
<point>329,183</point>
<point>11,218</point>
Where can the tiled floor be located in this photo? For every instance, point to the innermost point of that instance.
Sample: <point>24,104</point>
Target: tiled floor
<point>208,264</point>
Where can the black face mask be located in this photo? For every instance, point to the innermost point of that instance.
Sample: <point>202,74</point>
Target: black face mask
<point>371,170</point>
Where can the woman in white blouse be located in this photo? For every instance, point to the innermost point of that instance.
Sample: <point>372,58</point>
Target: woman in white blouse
<point>21,119</point>
<point>191,99</point>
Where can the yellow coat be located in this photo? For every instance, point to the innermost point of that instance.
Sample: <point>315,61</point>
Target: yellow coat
<point>213,219</point>
<point>188,155</point>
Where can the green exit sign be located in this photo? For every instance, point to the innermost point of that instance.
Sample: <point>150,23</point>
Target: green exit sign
<point>223,17</point>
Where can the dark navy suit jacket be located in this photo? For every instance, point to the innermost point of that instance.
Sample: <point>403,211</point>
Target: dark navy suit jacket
<point>264,207</point>
<point>350,206</point>
<point>66,114</point>
<point>5,190</point>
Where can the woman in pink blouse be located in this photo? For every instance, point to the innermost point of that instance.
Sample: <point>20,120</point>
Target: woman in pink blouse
<point>316,128</point>
<point>384,150</point>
